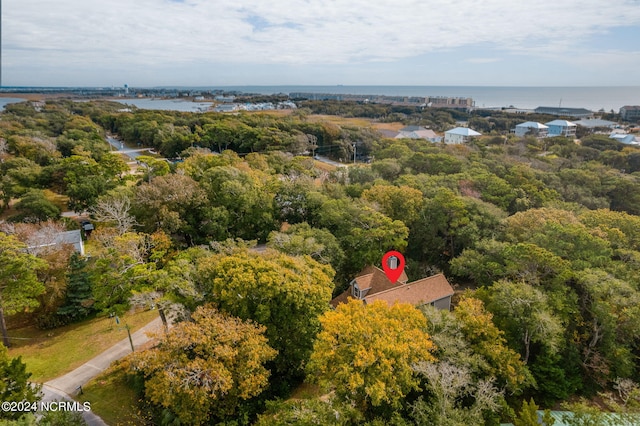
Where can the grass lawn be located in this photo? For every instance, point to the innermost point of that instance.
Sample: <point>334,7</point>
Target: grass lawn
<point>52,353</point>
<point>112,398</point>
<point>59,200</point>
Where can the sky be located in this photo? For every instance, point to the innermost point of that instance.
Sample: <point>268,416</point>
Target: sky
<point>147,43</point>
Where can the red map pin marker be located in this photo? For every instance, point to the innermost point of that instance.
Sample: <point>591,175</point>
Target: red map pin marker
<point>393,265</point>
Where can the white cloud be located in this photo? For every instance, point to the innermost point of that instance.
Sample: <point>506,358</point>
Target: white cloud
<point>157,32</point>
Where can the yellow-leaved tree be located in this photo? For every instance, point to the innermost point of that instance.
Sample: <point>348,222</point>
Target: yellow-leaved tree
<point>366,352</point>
<point>201,370</point>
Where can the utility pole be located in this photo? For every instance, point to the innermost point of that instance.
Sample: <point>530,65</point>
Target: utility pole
<point>354,153</point>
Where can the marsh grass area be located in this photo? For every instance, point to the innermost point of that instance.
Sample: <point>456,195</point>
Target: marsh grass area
<point>52,353</point>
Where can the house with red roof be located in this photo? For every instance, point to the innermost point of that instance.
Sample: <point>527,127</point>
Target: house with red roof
<point>372,284</point>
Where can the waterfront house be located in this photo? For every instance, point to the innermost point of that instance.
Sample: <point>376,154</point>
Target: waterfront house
<point>460,135</point>
<point>372,284</point>
<point>531,128</point>
<point>562,128</point>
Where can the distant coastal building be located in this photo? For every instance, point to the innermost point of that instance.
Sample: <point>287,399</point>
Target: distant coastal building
<point>630,112</point>
<point>316,96</point>
<point>417,101</point>
<point>225,99</point>
<point>531,128</point>
<point>445,102</point>
<point>596,122</point>
<point>226,108</point>
<point>460,135</point>
<point>565,112</point>
<point>418,132</point>
<point>562,128</point>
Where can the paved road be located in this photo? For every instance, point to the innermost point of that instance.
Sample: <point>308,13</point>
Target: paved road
<point>328,161</point>
<point>51,394</point>
<point>64,386</point>
<point>122,148</point>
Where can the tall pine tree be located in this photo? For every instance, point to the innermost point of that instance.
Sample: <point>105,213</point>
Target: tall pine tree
<point>79,298</point>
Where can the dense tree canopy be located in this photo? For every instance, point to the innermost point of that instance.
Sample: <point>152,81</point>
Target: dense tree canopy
<point>544,234</point>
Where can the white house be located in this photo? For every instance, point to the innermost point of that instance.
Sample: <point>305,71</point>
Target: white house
<point>624,138</point>
<point>460,135</point>
<point>562,128</point>
<point>531,128</point>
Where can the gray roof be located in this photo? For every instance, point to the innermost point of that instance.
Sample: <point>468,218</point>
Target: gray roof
<point>69,237</point>
<point>42,241</point>
<point>596,122</point>
<point>563,110</point>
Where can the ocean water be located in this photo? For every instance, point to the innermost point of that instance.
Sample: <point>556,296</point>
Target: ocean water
<point>6,101</point>
<point>593,98</point>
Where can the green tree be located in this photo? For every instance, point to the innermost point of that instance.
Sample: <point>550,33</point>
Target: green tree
<point>17,176</point>
<point>365,235</point>
<point>35,207</point>
<point>366,353</point>
<point>488,341</point>
<point>245,198</point>
<point>291,202</point>
<point>202,370</point>
<point>79,294</point>
<point>611,313</point>
<point>398,202</point>
<point>285,294</point>
<point>528,415</point>
<point>175,204</point>
<point>524,313</point>
<point>152,167</point>
<point>301,239</point>
<point>19,284</point>
<point>448,223</point>
<point>14,383</point>
<point>122,264</point>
